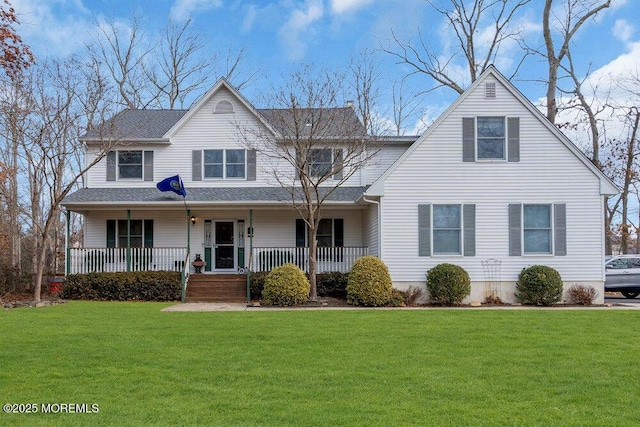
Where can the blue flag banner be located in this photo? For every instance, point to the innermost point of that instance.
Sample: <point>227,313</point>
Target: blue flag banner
<point>173,183</point>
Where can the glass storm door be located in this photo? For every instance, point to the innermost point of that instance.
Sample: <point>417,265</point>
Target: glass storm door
<point>224,248</point>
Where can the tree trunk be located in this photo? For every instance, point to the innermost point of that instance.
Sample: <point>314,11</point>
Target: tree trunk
<point>313,250</point>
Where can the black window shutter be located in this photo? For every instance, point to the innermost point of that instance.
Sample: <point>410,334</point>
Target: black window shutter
<point>338,230</point>
<point>337,165</point>
<point>111,166</point>
<point>424,230</point>
<point>251,165</point>
<point>148,233</point>
<point>469,222</point>
<point>148,166</point>
<point>560,229</point>
<point>468,139</point>
<point>515,229</point>
<point>111,233</point>
<point>196,166</point>
<point>301,229</point>
<point>513,129</point>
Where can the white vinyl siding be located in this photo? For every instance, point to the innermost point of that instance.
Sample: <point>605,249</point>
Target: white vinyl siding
<point>547,173</point>
<point>205,130</point>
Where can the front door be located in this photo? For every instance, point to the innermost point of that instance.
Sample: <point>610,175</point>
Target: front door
<point>224,247</point>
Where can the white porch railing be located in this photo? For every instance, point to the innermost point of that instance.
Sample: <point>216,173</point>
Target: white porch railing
<point>327,259</point>
<point>95,260</point>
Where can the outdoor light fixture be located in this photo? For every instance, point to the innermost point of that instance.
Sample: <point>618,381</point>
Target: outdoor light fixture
<point>193,220</point>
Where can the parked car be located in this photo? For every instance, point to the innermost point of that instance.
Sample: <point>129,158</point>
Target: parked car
<point>623,275</point>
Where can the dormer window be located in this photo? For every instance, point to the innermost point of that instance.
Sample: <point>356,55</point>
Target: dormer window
<point>223,107</point>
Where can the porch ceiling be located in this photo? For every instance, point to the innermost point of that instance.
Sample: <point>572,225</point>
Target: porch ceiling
<point>101,198</point>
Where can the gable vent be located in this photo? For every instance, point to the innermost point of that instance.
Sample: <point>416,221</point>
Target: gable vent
<point>490,90</point>
<point>223,107</point>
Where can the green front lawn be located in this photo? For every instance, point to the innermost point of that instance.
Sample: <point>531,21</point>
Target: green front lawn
<point>361,367</point>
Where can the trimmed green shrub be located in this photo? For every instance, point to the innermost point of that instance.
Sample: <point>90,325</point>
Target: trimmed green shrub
<point>285,285</point>
<point>332,284</point>
<point>124,286</point>
<point>369,282</point>
<point>257,284</point>
<point>539,285</point>
<point>448,284</point>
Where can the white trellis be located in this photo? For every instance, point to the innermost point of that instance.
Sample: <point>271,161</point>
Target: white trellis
<point>491,269</point>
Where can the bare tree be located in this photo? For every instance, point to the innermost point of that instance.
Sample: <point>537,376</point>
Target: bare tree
<point>467,21</point>
<point>622,167</point>
<point>122,52</point>
<point>574,15</point>
<point>406,105</point>
<point>588,104</point>
<point>180,68</point>
<point>314,147</point>
<point>61,106</point>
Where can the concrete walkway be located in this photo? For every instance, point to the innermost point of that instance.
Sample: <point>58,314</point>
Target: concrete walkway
<point>244,307</point>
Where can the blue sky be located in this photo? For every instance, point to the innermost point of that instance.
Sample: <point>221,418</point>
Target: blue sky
<point>280,35</point>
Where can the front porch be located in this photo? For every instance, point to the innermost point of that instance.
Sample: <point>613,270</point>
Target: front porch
<point>261,259</point>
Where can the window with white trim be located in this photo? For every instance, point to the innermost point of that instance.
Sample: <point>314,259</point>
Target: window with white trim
<point>225,164</point>
<point>129,164</point>
<point>319,162</point>
<point>447,229</point>
<point>537,229</point>
<point>491,138</point>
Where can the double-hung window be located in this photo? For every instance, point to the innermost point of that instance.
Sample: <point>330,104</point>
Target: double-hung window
<point>140,233</point>
<point>330,233</point>
<point>537,229</point>
<point>224,164</point>
<point>446,229</point>
<point>130,164</point>
<point>491,138</point>
<point>319,162</point>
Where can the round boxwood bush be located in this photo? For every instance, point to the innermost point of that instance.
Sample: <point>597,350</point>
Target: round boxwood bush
<point>448,284</point>
<point>539,285</point>
<point>285,285</point>
<point>369,282</point>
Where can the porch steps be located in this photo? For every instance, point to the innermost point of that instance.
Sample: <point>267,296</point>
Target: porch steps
<point>217,288</point>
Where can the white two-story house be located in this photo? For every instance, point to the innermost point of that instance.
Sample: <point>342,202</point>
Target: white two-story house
<point>491,186</point>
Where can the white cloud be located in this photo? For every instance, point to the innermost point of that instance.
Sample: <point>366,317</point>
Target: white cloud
<point>346,6</point>
<point>53,27</point>
<point>615,83</point>
<point>249,18</point>
<point>299,28</point>
<point>184,9</point>
<point>623,30</point>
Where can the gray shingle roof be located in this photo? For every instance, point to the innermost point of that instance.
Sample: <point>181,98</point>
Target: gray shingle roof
<point>137,124</point>
<point>153,124</point>
<point>318,123</point>
<point>217,195</point>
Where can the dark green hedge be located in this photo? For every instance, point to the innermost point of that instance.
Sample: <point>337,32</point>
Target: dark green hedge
<point>129,286</point>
